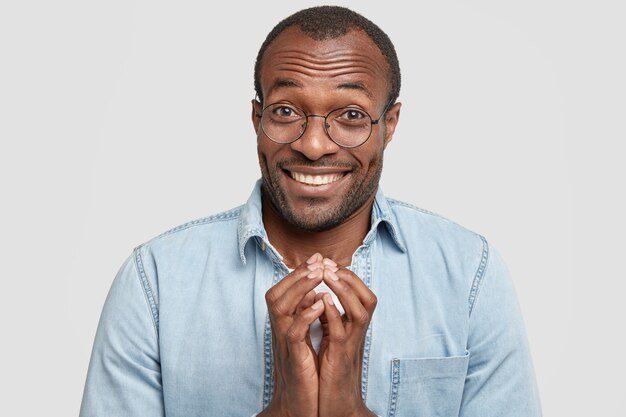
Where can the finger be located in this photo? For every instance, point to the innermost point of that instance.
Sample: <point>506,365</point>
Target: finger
<point>355,311</point>
<point>306,302</point>
<point>296,336</point>
<point>332,322</point>
<point>286,305</point>
<point>329,263</point>
<point>323,320</point>
<point>279,323</point>
<point>364,294</point>
<point>309,269</point>
<point>314,262</point>
<point>316,257</point>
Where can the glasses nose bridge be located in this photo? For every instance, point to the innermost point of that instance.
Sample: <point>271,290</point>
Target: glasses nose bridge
<point>325,125</point>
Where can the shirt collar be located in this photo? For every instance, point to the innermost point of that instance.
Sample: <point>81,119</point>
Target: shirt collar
<point>251,223</point>
<point>382,214</point>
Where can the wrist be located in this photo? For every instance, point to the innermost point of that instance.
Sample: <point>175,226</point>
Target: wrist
<point>277,408</point>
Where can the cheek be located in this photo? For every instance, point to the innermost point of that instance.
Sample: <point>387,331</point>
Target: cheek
<point>370,156</point>
<point>262,157</point>
<point>267,154</point>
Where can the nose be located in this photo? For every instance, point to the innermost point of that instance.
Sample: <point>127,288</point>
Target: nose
<point>315,142</point>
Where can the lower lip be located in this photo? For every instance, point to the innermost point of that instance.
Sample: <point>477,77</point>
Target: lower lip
<point>307,190</point>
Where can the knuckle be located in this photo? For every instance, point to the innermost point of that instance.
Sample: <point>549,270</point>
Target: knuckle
<point>371,301</point>
<point>334,314</point>
<point>362,318</point>
<point>276,310</point>
<point>270,296</point>
<point>340,338</point>
<point>301,283</point>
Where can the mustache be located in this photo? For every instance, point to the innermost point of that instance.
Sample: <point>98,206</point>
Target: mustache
<point>324,162</point>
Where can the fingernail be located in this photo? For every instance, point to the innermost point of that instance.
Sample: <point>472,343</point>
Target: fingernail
<point>314,266</point>
<point>332,268</point>
<point>317,305</point>
<point>312,258</point>
<point>329,299</point>
<point>329,262</point>
<point>331,274</point>
<point>315,274</point>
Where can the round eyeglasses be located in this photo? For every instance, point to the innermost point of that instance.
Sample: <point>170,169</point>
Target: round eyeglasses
<point>348,127</point>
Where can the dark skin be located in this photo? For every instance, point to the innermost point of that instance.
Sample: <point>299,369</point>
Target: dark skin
<point>297,245</point>
<point>304,221</point>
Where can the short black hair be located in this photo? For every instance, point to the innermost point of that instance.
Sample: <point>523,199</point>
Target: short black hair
<point>329,22</point>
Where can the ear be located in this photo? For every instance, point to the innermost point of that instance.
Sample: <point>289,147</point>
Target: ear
<point>391,121</point>
<point>256,111</point>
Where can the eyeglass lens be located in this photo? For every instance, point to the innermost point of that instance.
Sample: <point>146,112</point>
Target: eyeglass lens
<point>346,126</point>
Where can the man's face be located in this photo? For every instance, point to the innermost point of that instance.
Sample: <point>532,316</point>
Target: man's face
<point>317,77</point>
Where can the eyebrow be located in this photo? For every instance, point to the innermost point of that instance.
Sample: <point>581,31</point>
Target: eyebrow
<point>356,86</point>
<point>283,83</point>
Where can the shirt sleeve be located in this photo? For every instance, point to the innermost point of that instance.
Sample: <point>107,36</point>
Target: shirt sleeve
<point>500,379</point>
<point>124,377</point>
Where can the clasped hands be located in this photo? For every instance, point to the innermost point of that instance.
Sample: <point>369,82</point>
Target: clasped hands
<point>328,383</point>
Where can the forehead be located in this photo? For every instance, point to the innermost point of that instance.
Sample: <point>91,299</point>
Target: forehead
<point>348,62</point>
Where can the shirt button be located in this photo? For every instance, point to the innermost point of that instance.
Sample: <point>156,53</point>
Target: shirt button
<point>263,246</point>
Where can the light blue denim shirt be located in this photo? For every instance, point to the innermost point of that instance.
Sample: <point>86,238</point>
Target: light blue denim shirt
<point>184,331</point>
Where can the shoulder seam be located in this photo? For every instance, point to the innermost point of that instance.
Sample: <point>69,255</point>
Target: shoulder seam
<point>430,213</point>
<point>411,206</point>
<point>147,289</point>
<point>479,275</point>
<point>424,211</point>
<point>226,215</point>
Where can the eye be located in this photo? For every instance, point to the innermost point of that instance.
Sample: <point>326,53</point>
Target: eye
<point>282,111</point>
<point>350,114</point>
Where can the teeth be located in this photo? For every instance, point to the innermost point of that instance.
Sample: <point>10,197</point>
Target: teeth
<point>315,179</point>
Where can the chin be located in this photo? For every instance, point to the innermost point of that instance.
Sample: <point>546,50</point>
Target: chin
<point>316,221</point>
<point>317,214</point>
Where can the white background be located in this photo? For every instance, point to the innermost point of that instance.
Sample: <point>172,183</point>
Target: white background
<point>120,119</point>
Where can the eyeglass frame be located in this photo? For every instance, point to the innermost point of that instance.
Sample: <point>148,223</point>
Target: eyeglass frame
<point>306,122</point>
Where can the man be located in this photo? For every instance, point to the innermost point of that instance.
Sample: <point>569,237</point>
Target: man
<point>319,296</point>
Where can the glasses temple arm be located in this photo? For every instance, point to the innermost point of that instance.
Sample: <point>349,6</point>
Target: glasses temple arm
<point>375,122</point>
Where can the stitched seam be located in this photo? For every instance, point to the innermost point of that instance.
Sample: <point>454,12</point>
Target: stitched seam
<point>385,216</point>
<point>427,212</point>
<point>147,290</point>
<point>268,379</point>
<point>227,215</point>
<point>267,353</point>
<point>480,273</point>
<point>368,334</point>
<point>244,240</point>
<point>411,206</point>
<point>395,382</point>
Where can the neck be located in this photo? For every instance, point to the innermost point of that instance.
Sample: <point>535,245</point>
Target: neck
<point>297,245</point>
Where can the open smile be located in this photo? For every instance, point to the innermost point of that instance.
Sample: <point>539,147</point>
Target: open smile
<point>315,181</point>
<point>318,179</point>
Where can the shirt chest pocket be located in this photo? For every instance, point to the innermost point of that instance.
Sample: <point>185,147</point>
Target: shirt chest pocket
<point>427,387</point>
